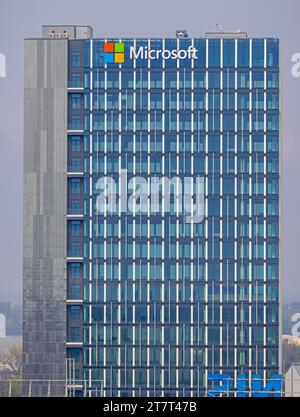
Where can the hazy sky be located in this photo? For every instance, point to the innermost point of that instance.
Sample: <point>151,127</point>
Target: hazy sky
<point>134,18</point>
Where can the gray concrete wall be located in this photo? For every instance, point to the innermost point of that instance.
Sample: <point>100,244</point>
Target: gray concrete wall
<point>45,205</point>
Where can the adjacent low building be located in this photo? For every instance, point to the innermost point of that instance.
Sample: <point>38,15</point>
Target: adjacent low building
<point>291,339</point>
<point>292,381</point>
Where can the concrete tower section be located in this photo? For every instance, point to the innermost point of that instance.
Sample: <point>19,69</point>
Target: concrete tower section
<point>45,204</point>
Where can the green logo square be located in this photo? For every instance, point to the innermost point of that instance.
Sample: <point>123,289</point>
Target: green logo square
<point>119,47</point>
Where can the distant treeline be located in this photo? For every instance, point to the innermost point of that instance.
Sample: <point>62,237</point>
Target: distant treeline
<point>13,314</point>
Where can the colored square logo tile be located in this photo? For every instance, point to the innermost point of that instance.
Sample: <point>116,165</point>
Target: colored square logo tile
<point>108,57</point>
<point>119,47</point>
<point>119,58</point>
<point>109,47</point>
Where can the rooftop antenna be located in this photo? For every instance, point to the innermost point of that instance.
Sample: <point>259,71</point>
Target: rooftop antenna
<point>181,33</point>
<point>219,28</point>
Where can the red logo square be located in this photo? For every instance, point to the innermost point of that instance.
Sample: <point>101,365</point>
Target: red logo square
<point>109,47</point>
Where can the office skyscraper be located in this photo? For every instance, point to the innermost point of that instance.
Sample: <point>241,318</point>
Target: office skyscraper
<point>141,296</point>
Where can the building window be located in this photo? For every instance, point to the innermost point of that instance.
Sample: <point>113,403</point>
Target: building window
<point>76,80</point>
<point>74,312</point>
<point>75,143</point>
<point>74,228</point>
<point>74,185</point>
<point>74,353</point>
<point>74,207</point>
<point>258,52</point>
<point>74,334</point>
<point>75,165</point>
<point>74,249</point>
<point>75,270</point>
<point>75,122</point>
<point>74,292</point>
<point>76,60</point>
<point>75,101</point>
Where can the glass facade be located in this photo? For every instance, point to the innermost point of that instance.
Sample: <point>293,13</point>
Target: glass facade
<point>157,303</point>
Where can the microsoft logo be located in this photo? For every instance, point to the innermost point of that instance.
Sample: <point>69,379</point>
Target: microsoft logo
<point>114,52</point>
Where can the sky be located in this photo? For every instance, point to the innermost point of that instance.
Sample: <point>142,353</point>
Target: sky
<point>141,18</point>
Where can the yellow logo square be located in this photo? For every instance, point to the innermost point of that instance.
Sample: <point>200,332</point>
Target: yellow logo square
<point>119,58</point>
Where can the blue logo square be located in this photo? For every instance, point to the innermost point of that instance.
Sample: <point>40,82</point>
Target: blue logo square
<point>108,57</point>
